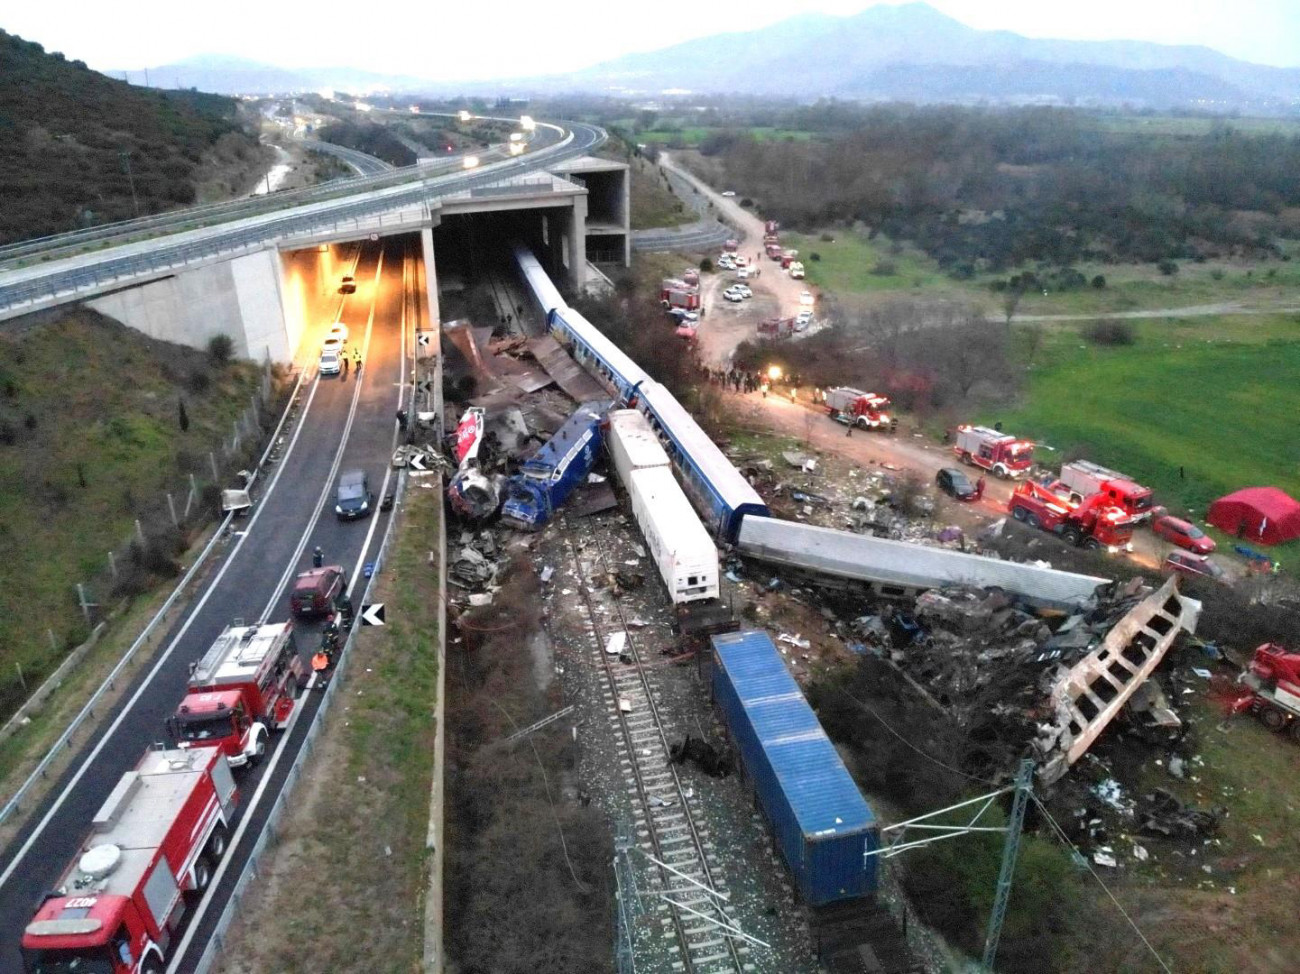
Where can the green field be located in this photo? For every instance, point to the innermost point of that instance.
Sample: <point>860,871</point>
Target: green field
<point>1182,125</point>
<point>849,262</point>
<point>1132,287</point>
<point>1195,408</point>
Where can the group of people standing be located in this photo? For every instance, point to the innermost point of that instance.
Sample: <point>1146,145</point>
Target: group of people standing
<point>736,380</point>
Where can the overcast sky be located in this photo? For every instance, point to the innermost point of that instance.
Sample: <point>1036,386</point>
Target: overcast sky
<point>442,39</point>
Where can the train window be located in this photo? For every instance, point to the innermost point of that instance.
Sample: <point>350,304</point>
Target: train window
<point>692,580</point>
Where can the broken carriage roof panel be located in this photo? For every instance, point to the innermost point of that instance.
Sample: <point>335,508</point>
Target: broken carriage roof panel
<point>554,451</point>
<point>823,796</point>
<point>906,564</point>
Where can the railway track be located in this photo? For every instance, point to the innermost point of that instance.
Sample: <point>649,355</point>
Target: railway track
<point>682,868</point>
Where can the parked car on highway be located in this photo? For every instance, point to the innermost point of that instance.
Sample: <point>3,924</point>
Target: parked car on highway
<point>348,285</point>
<point>726,263</point>
<point>1197,566</point>
<point>804,318</point>
<point>742,289</point>
<point>338,330</point>
<point>332,343</point>
<point>314,590</point>
<point>329,361</point>
<point>731,294</point>
<point>684,317</point>
<point>1184,534</point>
<point>955,484</point>
<point>728,192</point>
<point>806,299</point>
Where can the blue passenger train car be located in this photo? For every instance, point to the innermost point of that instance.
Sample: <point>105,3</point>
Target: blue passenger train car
<point>550,475</point>
<point>820,820</point>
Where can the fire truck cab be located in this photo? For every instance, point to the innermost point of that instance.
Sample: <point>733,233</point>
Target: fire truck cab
<point>853,407</point>
<point>243,687</point>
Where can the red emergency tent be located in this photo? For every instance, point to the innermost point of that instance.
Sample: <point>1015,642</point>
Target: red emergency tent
<point>1261,515</point>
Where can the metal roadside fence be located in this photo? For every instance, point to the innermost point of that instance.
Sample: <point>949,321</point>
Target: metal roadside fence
<point>88,711</point>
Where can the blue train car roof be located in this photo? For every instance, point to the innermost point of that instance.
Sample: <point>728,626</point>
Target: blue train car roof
<point>555,449</point>
<point>730,485</point>
<point>825,799</point>
<point>610,355</point>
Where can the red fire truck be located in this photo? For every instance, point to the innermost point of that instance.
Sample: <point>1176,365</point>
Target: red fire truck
<point>678,294</point>
<point>1093,523</point>
<point>776,328</point>
<point>1000,453</point>
<point>244,686</point>
<point>853,407</point>
<point>157,837</point>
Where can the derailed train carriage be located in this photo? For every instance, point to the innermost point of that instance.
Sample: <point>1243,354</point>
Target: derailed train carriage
<point>735,513</point>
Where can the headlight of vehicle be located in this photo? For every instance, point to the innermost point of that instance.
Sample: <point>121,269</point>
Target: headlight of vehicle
<point>338,509</point>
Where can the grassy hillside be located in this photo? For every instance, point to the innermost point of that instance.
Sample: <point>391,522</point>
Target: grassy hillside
<point>90,439</point>
<point>64,130</point>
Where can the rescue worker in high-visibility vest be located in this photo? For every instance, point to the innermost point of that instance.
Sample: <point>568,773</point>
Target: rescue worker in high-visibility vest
<point>320,663</point>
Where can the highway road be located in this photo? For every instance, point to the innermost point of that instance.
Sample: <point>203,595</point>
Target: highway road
<point>343,422</point>
<point>365,165</point>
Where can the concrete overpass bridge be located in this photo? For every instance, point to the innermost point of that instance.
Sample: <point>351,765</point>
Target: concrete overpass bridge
<point>250,269</point>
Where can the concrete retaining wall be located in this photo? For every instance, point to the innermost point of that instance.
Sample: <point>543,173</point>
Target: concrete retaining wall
<point>239,297</point>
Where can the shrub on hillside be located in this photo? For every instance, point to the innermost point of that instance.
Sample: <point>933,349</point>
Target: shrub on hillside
<point>1110,332</point>
<point>221,348</point>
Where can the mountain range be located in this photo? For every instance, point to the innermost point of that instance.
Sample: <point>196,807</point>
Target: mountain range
<point>911,52</point>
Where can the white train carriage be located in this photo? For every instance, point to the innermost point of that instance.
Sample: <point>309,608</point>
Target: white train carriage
<point>898,569</point>
<point>539,282</point>
<point>633,444</point>
<point>722,493</point>
<point>677,541</point>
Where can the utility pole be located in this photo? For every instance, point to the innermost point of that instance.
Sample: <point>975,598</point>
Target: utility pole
<point>125,156</point>
<point>1010,851</point>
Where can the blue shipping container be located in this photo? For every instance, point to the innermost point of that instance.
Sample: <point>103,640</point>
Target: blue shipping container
<point>550,474</point>
<point>820,819</point>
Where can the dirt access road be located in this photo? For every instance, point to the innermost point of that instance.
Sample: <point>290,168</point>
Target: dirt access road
<point>725,325</point>
<point>903,453</point>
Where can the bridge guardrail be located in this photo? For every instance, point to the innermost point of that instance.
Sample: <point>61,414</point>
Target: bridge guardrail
<point>76,240</point>
<point>167,259</point>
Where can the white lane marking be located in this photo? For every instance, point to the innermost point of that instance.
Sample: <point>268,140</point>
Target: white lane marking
<point>388,469</point>
<point>247,817</point>
<point>291,568</point>
<point>135,697</point>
